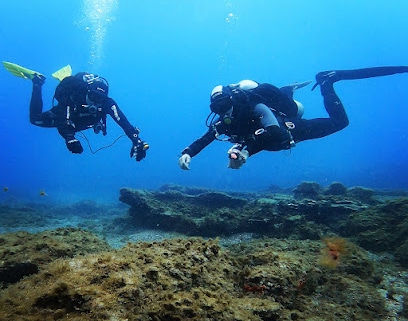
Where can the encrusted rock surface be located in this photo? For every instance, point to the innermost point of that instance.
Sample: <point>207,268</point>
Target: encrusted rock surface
<point>280,257</point>
<point>23,253</point>
<point>196,279</point>
<point>382,228</point>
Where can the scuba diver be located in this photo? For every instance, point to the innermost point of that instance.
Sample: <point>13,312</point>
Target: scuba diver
<point>82,103</point>
<point>256,117</point>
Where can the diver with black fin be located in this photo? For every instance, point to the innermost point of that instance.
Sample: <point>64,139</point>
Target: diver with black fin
<point>82,103</point>
<point>256,117</point>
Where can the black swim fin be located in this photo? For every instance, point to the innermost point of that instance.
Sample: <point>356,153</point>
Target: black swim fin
<point>289,90</point>
<point>336,75</point>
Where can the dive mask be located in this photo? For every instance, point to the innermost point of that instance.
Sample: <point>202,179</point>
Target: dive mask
<point>221,105</point>
<point>96,98</point>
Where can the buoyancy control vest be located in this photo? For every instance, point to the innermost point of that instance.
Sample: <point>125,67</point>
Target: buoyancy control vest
<point>71,90</point>
<point>275,99</point>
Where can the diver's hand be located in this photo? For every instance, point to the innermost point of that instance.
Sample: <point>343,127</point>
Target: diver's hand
<point>74,146</point>
<point>184,161</point>
<point>138,150</point>
<point>237,157</point>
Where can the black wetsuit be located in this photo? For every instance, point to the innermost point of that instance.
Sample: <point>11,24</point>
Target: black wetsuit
<point>72,114</point>
<point>254,125</point>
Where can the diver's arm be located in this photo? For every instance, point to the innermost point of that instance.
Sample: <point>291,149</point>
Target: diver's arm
<point>67,131</point>
<point>119,117</point>
<point>139,147</point>
<point>198,145</point>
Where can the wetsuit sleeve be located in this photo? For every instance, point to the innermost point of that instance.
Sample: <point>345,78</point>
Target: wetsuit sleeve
<point>119,117</point>
<point>198,145</point>
<point>266,116</point>
<point>66,130</point>
<point>61,115</point>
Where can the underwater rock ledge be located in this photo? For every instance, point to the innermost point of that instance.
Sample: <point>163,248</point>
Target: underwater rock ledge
<point>216,213</point>
<point>307,214</point>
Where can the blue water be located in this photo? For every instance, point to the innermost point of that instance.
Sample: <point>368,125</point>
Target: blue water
<point>162,59</point>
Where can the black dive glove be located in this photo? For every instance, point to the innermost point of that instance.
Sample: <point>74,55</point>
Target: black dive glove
<point>74,146</point>
<point>138,150</point>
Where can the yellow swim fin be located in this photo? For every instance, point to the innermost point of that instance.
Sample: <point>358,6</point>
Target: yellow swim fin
<point>63,73</point>
<point>20,71</point>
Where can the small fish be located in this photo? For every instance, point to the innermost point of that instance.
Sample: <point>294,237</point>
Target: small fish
<point>5,188</point>
<point>43,193</point>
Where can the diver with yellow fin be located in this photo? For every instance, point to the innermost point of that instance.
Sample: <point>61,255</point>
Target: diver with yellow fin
<point>82,103</point>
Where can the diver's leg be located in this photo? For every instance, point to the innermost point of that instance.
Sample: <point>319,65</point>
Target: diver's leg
<point>320,127</point>
<point>334,108</point>
<point>36,103</point>
<point>37,117</point>
<point>336,75</point>
<point>332,103</point>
